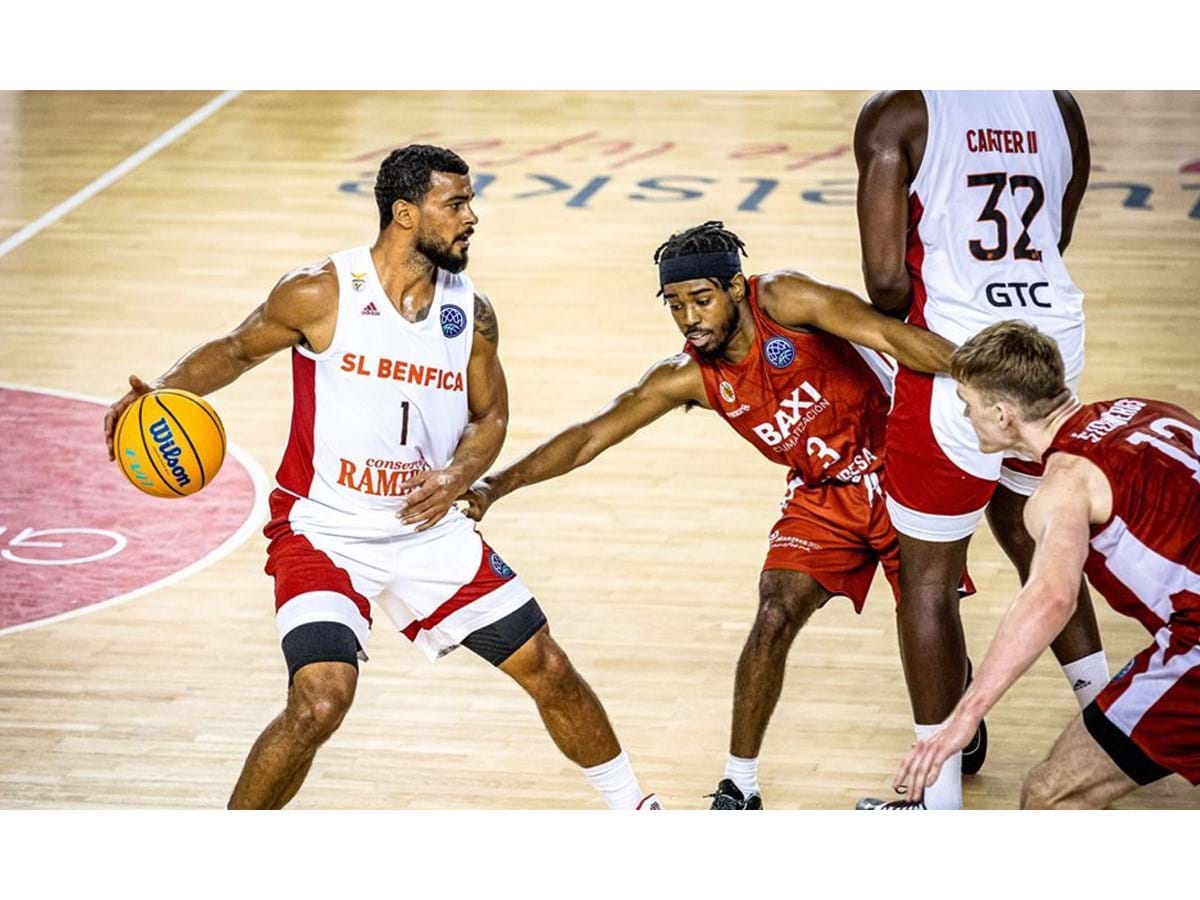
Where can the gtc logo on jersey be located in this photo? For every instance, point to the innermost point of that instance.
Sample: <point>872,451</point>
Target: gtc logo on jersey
<point>358,279</point>
<point>454,320</point>
<point>780,352</point>
<point>792,412</point>
<point>499,566</point>
<point>727,393</point>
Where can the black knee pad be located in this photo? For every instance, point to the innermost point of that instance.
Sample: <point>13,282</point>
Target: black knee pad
<point>500,640</point>
<point>319,642</point>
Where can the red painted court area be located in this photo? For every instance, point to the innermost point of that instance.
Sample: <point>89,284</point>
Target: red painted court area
<point>73,531</point>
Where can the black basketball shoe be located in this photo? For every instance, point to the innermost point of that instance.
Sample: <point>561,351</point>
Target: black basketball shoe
<point>727,796</point>
<point>888,805</point>
<point>975,753</point>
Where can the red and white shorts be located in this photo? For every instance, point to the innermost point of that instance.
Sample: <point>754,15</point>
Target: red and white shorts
<point>837,533</point>
<point>938,481</point>
<point>1147,718</point>
<point>437,586</point>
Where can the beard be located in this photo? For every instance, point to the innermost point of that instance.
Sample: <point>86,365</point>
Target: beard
<point>442,255</point>
<point>722,335</point>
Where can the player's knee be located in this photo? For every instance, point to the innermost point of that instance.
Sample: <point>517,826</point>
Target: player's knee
<point>316,718</point>
<point>783,605</point>
<point>548,668</point>
<point>1041,789</point>
<point>921,596</point>
<point>558,672</point>
<point>316,709</point>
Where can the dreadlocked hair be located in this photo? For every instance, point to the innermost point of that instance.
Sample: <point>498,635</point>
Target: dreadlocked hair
<point>711,237</point>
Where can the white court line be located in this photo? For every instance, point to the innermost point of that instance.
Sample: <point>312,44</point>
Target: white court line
<point>258,512</point>
<point>118,171</point>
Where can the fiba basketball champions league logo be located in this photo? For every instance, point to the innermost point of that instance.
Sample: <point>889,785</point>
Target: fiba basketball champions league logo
<point>779,352</point>
<point>499,566</point>
<point>454,320</point>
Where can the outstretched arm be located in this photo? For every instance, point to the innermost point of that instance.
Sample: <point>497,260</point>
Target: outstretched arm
<point>293,312</point>
<point>434,492</point>
<point>1057,517</point>
<point>795,300</point>
<point>883,136</point>
<point>668,384</point>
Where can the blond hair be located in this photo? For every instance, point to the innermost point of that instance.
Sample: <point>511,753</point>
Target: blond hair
<point>1015,361</point>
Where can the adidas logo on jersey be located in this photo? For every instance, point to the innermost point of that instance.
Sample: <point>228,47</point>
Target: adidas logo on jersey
<point>370,310</point>
<point>1080,684</point>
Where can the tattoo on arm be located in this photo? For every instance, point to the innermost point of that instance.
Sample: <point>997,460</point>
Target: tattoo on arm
<point>485,320</point>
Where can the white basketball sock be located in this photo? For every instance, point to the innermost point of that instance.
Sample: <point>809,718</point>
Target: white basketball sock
<point>1087,676</point>
<point>616,782</point>
<point>744,773</point>
<point>946,792</point>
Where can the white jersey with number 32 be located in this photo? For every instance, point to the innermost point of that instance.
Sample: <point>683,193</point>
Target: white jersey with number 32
<point>985,218</point>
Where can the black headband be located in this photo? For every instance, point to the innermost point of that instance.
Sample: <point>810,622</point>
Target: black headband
<point>722,265</point>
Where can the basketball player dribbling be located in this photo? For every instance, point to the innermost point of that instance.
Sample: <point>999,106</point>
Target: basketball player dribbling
<point>399,404</point>
<point>1119,502</point>
<point>772,355</point>
<point>966,203</point>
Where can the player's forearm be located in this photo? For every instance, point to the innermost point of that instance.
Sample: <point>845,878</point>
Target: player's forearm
<point>918,349</point>
<point>478,447</point>
<point>1033,621</point>
<point>207,368</point>
<point>567,450</point>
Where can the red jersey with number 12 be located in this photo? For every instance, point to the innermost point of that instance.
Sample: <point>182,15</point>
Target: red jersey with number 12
<point>1145,559</point>
<point>807,400</point>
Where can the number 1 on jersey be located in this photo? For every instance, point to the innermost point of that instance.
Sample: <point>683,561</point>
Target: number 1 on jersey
<point>404,425</point>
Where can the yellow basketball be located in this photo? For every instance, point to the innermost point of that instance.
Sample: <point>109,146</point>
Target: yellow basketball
<point>169,443</point>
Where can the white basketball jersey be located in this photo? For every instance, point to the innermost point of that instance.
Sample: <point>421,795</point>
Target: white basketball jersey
<point>985,218</point>
<point>385,401</point>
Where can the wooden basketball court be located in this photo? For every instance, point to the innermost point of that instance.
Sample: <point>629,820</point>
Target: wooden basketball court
<point>646,560</point>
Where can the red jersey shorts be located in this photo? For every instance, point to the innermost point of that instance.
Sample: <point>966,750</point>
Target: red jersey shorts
<point>838,533</point>
<point>1147,718</point>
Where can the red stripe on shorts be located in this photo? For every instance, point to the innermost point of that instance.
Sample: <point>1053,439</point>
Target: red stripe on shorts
<point>297,566</point>
<point>485,581</point>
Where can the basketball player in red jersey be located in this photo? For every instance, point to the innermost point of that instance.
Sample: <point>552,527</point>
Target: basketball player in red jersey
<point>966,202</point>
<point>1119,502</point>
<point>399,404</point>
<point>772,356</point>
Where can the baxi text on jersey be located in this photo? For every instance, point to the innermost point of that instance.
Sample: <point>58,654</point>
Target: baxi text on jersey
<point>400,370</point>
<point>791,413</point>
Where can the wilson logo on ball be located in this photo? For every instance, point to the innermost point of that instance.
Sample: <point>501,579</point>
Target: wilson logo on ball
<point>169,451</point>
